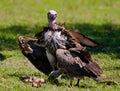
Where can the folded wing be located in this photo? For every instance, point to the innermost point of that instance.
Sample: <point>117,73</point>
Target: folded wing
<point>77,64</point>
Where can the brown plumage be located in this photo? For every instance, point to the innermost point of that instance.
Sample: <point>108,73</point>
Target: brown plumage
<point>35,54</point>
<point>62,48</point>
<point>76,64</point>
<point>83,40</point>
<point>74,39</point>
<point>53,39</point>
<point>72,58</point>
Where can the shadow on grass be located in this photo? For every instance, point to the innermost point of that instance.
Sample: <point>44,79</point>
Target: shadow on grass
<point>2,57</point>
<point>87,87</point>
<point>108,35</point>
<point>9,35</point>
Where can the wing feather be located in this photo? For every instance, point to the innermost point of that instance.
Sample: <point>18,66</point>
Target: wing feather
<point>75,65</point>
<point>37,57</point>
<point>83,40</point>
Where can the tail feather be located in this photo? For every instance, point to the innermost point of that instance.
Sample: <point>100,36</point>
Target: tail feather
<point>91,66</point>
<point>94,69</point>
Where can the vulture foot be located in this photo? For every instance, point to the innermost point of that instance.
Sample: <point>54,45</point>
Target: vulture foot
<point>77,84</point>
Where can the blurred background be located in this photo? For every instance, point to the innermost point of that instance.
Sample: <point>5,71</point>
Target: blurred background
<point>97,19</point>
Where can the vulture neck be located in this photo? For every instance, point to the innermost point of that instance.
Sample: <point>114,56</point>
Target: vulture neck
<point>52,24</point>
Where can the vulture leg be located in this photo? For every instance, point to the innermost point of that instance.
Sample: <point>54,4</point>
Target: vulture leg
<point>54,74</point>
<point>71,80</point>
<point>78,81</point>
<point>77,84</point>
<point>35,54</point>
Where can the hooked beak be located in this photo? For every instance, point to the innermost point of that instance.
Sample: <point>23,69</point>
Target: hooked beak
<point>52,16</point>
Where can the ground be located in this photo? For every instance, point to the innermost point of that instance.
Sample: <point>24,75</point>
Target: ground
<point>97,19</point>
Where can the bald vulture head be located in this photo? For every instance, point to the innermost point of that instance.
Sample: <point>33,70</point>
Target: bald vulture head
<point>52,15</point>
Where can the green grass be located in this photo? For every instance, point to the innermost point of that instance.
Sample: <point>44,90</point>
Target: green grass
<point>97,19</point>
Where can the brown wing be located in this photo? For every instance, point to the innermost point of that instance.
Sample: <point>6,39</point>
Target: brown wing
<point>76,65</point>
<point>40,35</point>
<point>35,54</point>
<point>83,40</point>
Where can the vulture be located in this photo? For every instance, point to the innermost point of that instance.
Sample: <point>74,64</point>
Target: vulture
<point>55,36</point>
<point>56,50</point>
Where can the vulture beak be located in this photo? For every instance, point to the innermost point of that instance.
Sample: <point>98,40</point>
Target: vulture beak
<point>51,15</point>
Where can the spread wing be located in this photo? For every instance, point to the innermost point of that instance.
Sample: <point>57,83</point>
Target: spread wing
<point>83,40</point>
<point>75,64</point>
<point>35,54</point>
